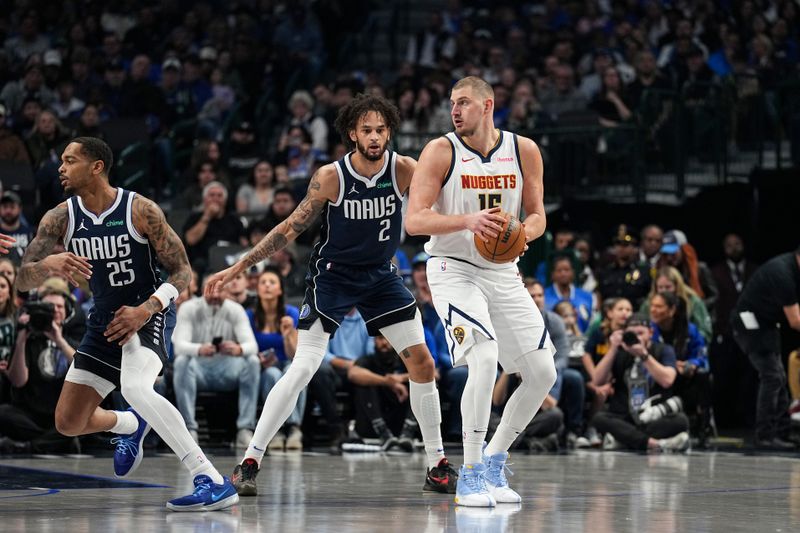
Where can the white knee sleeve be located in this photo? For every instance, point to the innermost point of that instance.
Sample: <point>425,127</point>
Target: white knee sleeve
<point>405,334</point>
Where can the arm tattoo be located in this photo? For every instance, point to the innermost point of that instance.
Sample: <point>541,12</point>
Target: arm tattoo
<point>168,246</point>
<point>51,229</point>
<point>301,218</point>
<point>406,354</point>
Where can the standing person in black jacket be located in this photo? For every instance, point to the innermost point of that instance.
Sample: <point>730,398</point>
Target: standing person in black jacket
<point>770,298</point>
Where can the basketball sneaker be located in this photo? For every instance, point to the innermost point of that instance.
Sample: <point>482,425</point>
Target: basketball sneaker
<point>441,478</point>
<point>496,480</point>
<point>128,453</point>
<point>207,496</point>
<point>244,478</point>
<point>471,488</point>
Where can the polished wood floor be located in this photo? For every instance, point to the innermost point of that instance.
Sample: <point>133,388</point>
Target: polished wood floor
<point>597,492</point>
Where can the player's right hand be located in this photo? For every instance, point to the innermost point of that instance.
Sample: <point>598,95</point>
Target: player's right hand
<point>68,265</point>
<point>485,224</point>
<point>218,281</point>
<point>6,241</point>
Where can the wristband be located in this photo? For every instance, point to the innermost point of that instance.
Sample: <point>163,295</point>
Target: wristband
<point>166,294</point>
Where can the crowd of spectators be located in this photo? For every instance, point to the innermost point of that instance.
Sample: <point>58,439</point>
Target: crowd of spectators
<point>237,103</point>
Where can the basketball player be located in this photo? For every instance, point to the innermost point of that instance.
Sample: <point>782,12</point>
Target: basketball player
<point>113,238</point>
<point>6,242</point>
<point>461,183</point>
<point>360,197</point>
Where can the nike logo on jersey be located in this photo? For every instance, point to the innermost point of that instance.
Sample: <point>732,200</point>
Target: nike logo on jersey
<point>466,160</point>
<point>82,227</point>
<point>353,190</point>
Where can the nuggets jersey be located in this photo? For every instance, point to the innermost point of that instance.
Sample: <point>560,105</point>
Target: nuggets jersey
<point>362,228</point>
<point>124,269</point>
<point>475,183</point>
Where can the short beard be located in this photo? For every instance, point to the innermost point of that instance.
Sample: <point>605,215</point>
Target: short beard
<point>363,151</point>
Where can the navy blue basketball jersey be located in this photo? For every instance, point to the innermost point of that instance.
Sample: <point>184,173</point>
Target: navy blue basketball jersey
<point>124,270</point>
<point>362,228</point>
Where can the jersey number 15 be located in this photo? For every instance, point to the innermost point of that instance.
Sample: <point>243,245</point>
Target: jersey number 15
<point>490,200</point>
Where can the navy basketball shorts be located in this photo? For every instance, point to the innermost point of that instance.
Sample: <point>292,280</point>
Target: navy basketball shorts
<point>104,359</point>
<point>333,289</point>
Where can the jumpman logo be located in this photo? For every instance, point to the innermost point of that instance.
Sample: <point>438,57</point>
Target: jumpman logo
<point>353,190</point>
<point>82,227</point>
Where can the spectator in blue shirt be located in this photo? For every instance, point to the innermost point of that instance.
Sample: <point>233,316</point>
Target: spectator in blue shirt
<point>563,288</point>
<point>275,327</point>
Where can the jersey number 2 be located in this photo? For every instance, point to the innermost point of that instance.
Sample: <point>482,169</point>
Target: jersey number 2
<point>385,225</point>
<point>120,270</point>
<point>489,200</point>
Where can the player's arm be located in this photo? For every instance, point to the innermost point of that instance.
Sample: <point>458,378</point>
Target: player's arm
<point>532,188</point>
<point>426,184</point>
<point>405,170</point>
<point>6,242</point>
<point>38,264</point>
<point>323,188</point>
<point>149,221</point>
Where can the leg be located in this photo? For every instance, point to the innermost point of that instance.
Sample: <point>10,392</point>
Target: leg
<point>573,394</point>
<point>369,415</point>
<point>455,381</point>
<point>282,399</point>
<point>667,426</point>
<point>770,391</point>
<point>476,402</point>
<point>248,392</point>
<point>269,377</point>
<point>621,428</point>
<point>18,424</point>
<point>185,385</point>
<point>322,388</point>
<point>537,373</point>
<point>77,411</point>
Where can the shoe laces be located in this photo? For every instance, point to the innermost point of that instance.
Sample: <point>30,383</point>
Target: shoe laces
<point>501,472</point>
<point>249,469</point>
<point>475,480</point>
<point>125,446</point>
<point>204,486</point>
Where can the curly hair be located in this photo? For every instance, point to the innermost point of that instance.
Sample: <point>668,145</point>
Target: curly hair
<point>350,114</point>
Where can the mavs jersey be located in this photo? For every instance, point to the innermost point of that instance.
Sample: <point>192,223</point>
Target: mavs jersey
<point>362,228</point>
<point>475,183</point>
<point>124,270</point>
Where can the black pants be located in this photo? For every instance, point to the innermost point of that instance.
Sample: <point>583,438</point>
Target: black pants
<point>763,348</point>
<point>695,393</point>
<point>20,424</point>
<point>373,403</point>
<point>623,429</point>
<point>545,422</point>
<point>322,390</point>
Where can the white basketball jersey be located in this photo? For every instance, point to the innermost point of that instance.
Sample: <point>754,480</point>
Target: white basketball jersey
<point>475,183</point>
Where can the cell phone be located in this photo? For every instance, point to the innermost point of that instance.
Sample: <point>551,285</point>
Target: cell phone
<point>630,338</point>
<point>216,342</point>
<point>269,357</point>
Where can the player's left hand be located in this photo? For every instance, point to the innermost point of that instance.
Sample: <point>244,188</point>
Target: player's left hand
<point>127,321</point>
<point>218,281</point>
<point>6,241</point>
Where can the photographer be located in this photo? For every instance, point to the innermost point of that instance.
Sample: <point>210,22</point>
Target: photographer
<point>48,331</point>
<point>639,369</point>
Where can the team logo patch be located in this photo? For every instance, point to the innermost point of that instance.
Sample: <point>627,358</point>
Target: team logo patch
<point>305,311</point>
<point>458,333</point>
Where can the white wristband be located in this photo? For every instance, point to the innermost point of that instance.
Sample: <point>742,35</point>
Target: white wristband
<point>166,294</point>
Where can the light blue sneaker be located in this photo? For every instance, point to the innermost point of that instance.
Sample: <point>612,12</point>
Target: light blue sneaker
<point>128,454</point>
<point>496,481</point>
<point>471,488</point>
<point>207,496</point>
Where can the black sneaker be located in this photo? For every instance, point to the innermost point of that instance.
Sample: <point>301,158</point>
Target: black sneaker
<point>441,478</point>
<point>244,478</point>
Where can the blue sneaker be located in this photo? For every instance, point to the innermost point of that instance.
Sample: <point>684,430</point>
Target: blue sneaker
<point>496,480</point>
<point>129,453</point>
<point>207,496</point>
<point>471,488</point>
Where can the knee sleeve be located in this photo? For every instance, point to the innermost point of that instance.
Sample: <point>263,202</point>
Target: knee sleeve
<point>405,334</point>
<point>311,346</point>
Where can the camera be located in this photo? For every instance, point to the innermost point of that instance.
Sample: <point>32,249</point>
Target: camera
<point>629,338</point>
<point>42,314</point>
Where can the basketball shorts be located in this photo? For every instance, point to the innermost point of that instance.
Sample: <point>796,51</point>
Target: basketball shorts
<point>472,300</point>
<point>333,289</point>
<point>104,359</point>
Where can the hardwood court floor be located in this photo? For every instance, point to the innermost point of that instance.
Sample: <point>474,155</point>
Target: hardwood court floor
<point>597,492</point>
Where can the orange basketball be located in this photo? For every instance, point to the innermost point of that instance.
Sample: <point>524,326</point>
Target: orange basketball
<point>507,246</point>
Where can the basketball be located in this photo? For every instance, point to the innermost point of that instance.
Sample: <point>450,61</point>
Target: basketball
<point>507,246</point>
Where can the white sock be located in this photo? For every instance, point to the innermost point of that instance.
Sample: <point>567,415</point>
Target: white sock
<point>428,412</point>
<point>282,399</point>
<point>476,401</point>
<point>537,374</point>
<point>126,424</point>
<point>198,464</point>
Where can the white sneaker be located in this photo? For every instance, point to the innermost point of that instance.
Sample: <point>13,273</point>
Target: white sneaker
<point>243,438</point>
<point>278,442</point>
<point>496,481</point>
<point>471,489</point>
<point>295,439</point>
<point>679,443</point>
<point>610,443</point>
<point>594,438</point>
